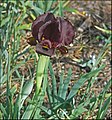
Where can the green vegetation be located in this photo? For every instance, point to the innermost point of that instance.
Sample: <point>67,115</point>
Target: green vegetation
<point>18,98</point>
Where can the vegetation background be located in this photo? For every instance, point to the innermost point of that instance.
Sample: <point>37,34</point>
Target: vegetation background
<point>77,85</point>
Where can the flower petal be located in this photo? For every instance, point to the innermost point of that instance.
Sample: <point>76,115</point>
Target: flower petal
<point>49,31</point>
<point>49,16</point>
<point>35,28</point>
<point>67,31</point>
<point>41,50</point>
<point>39,21</point>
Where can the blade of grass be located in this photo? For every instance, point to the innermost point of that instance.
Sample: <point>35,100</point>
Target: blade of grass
<point>4,78</point>
<point>3,110</point>
<point>103,110</point>
<point>49,93</point>
<point>81,81</point>
<point>46,110</point>
<point>16,113</point>
<point>49,4</point>
<point>26,90</point>
<point>103,30</point>
<point>41,4</point>
<point>77,112</point>
<point>99,58</point>
<point>35,8</point>
<point>61,84</point>
<point>101,97</point>
<point>28,112</point>
<point>60,8</point>
<point>66,83</point>
<point>54,87</point>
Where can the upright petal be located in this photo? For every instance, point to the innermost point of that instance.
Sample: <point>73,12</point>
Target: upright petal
<point>39,21</point>
<point>49,31</point>
<point>67,31</point>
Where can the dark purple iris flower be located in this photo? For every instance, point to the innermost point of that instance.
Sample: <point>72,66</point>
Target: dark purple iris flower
<point>51,33</point>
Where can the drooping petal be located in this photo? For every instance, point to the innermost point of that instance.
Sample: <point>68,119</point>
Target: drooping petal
<point>39,21</point>
<point>67,31</point>
<point>49,31</point>
<point>43,51</point>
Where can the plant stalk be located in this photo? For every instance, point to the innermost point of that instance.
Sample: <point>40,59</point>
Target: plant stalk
<point>40,71</point>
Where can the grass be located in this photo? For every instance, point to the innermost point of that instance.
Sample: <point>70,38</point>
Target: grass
<point>18,100</point>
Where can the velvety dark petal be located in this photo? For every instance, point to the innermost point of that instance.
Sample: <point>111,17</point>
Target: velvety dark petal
<point>43,51</point>
<point>40,20</point>
<point>35,29</point>
<point>49,17</point>
<point>67,31</point>
<point>49,31</point>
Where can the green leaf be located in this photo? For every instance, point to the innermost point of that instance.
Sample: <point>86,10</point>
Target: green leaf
<point>49,5</point>
<point>66,83</point>
<point>61,8</point>
<point>104,108</point>
<point>70,9</point>
<point>26,50</point>
<point>27,88</point>
<point>1,115</point>
<point>49,93</point>
<point>5,20</point>
<point>102,94</point>
<point>41,96</point>
<point>18,105</point>
<point>46,110</point>
<point>81,81</point>
<point>2,108</point>
<point>33,110</point>
<point>24,27</point>
<point>41,4</point>
<point>13,90</point>
<point>102,98</point>
<point>61,84</point>
<point>42,62</point>
<point>35,8</point>
<point>77,112</point>
<point>103,30</point>
<point>4,78</point>
<point>28,112</point>
<point>54,87</point>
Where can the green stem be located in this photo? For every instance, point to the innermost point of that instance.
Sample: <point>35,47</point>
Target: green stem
<point>42,62</point>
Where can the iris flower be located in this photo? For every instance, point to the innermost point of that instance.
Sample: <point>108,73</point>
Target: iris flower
<point>51,33</point>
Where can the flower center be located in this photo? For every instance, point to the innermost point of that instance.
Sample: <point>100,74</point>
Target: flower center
<point>45,47</point>
<point>43,38</point>
<point>46,44</point>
